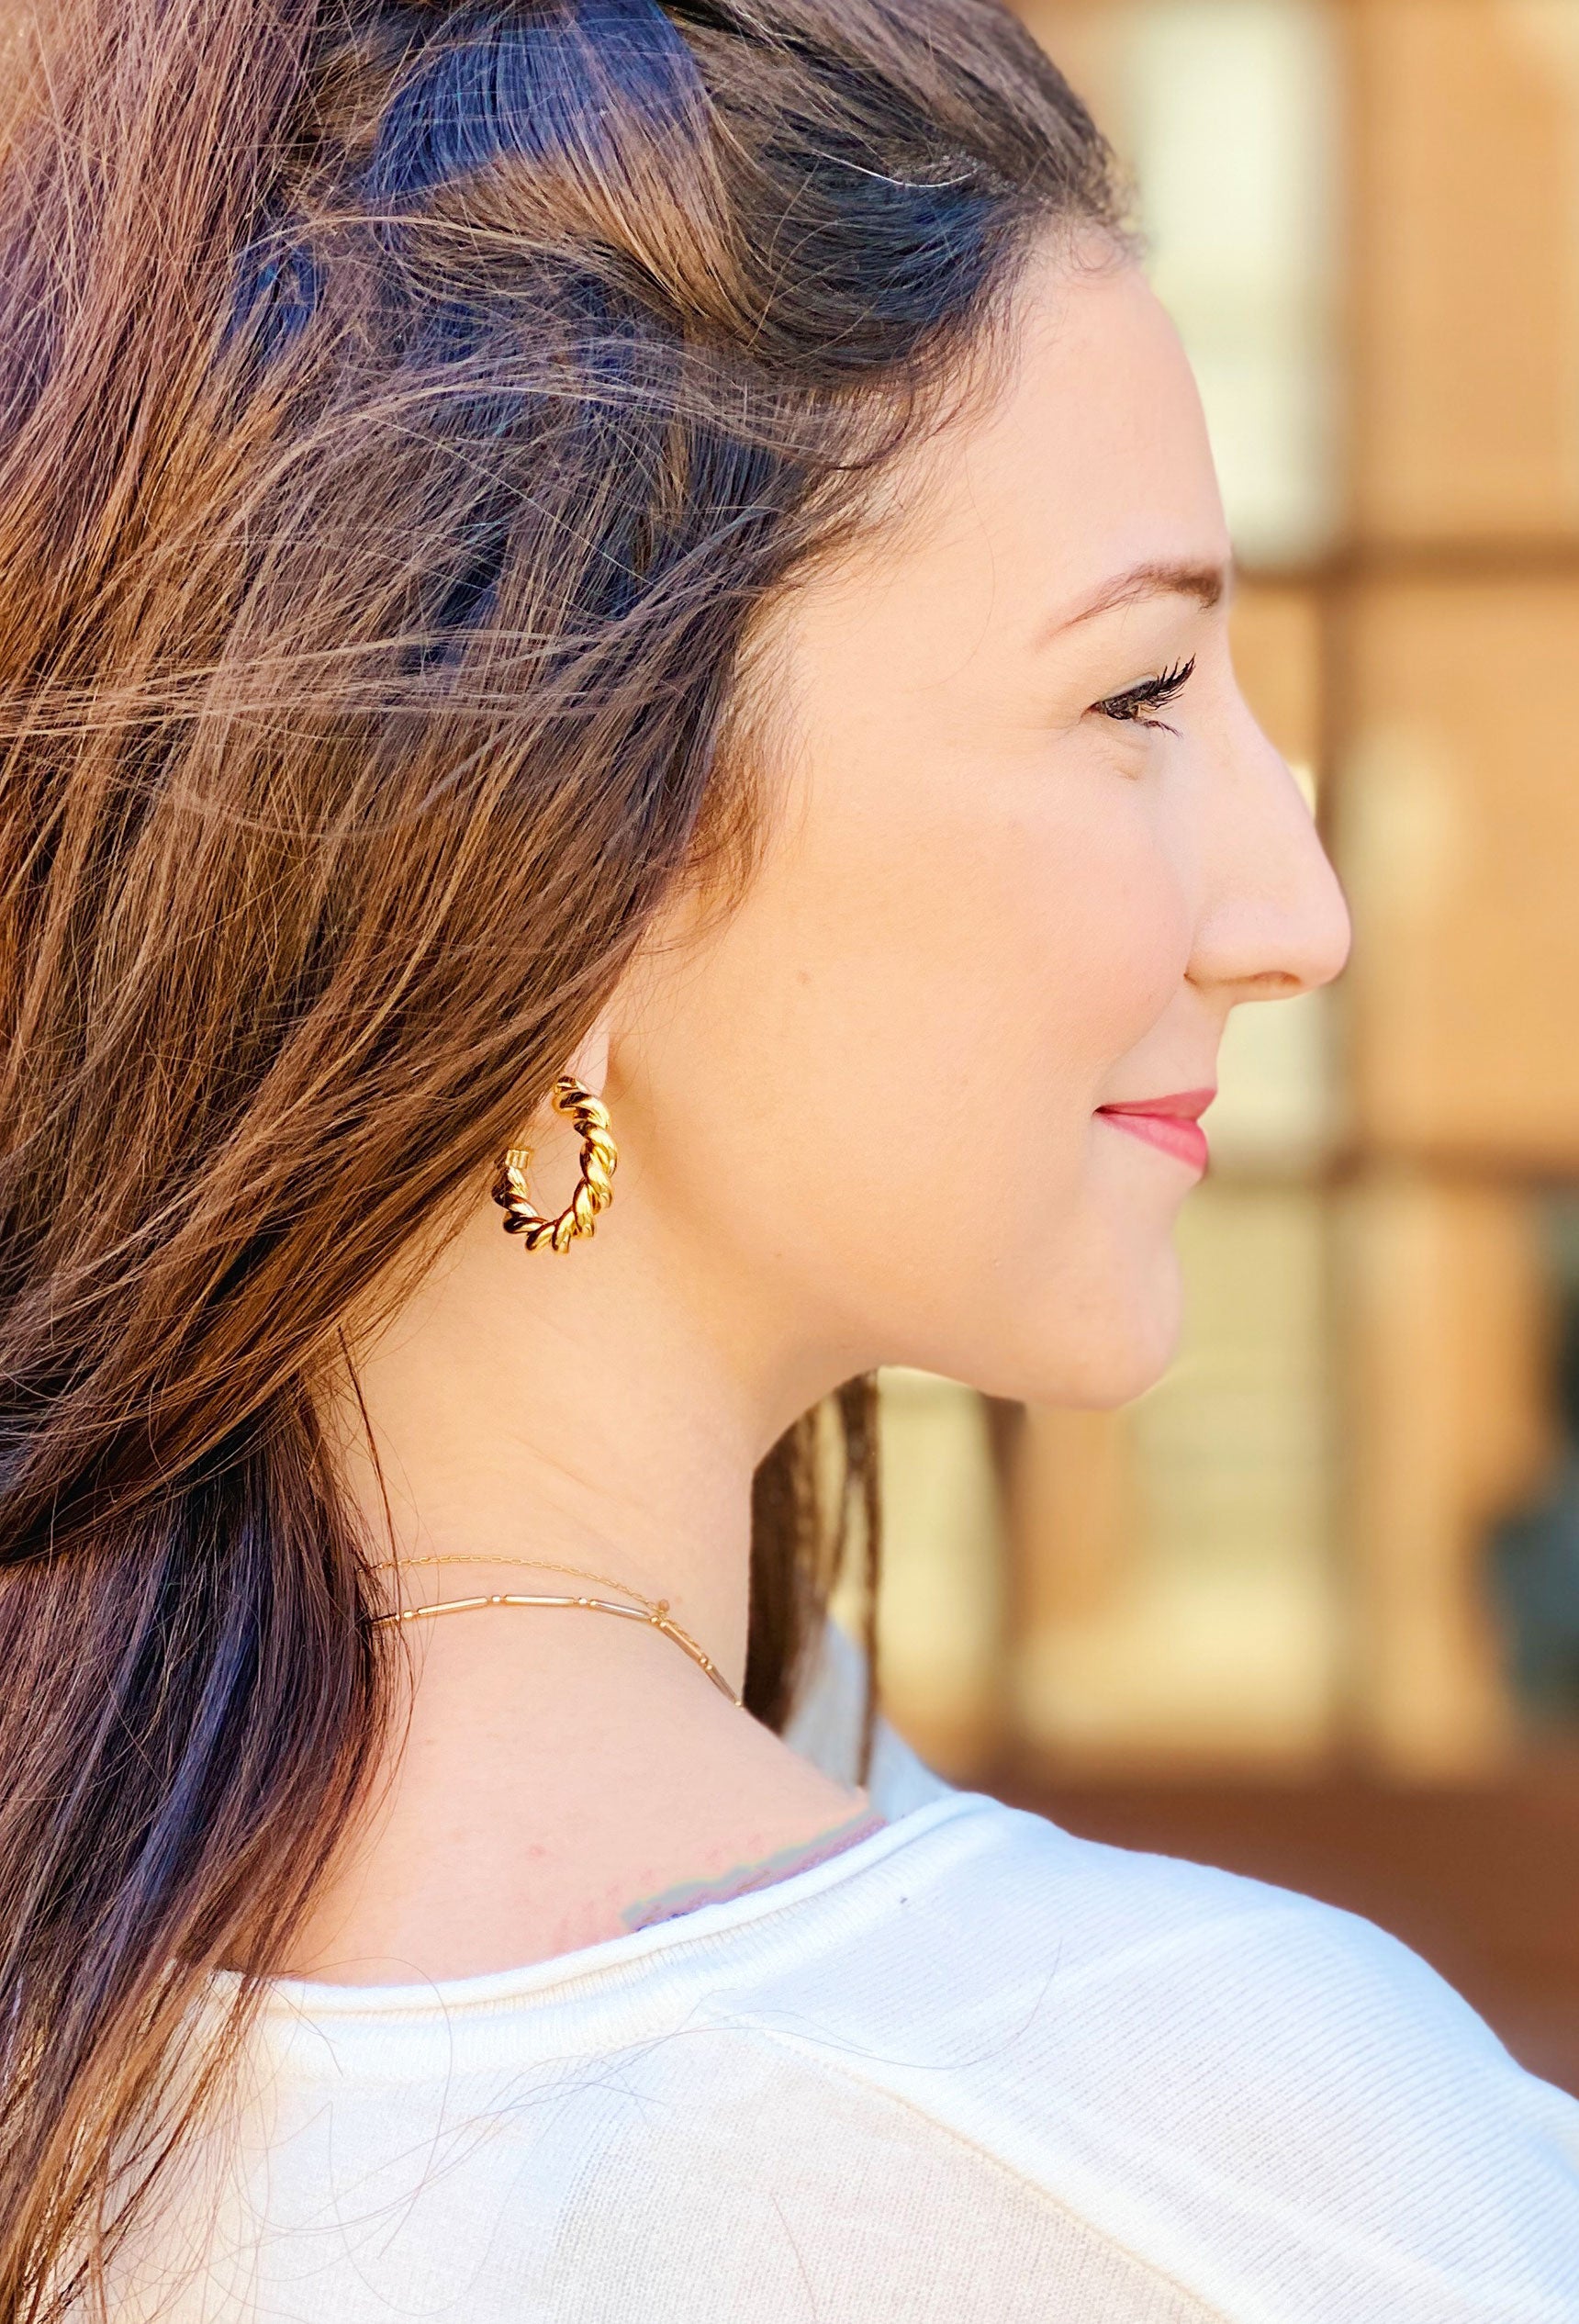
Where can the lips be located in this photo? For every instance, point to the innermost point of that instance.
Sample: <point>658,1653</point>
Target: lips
<point>1170,1123</point>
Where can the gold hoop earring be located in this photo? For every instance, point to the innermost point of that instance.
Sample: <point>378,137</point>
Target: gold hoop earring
<point>594,1192</point>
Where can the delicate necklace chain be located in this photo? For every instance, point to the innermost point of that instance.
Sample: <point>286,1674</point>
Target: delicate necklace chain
<point>653,1610</point>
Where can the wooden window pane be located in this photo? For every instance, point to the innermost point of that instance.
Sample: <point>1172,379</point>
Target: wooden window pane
<point>1447,1428</point>
<point>1466,258</point>
<point>1458,832</point>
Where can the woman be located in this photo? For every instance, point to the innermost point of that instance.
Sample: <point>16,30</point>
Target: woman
<point>616,622</point>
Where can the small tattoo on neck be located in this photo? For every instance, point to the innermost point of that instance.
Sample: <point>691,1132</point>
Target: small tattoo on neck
<point>741,1878</point>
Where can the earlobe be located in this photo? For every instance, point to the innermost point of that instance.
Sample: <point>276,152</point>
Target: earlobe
<point>589,1065</point>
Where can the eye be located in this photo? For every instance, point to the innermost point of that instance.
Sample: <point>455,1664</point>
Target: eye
<point>1151,693</point>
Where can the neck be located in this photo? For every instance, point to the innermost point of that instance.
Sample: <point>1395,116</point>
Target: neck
<point>557,1764</point>
<point>536,1426</point>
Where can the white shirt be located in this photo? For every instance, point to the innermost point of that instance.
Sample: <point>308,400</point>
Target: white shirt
<point>969,2070</point>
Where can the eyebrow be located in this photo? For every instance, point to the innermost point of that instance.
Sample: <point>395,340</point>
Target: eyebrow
<point>1208,584</point>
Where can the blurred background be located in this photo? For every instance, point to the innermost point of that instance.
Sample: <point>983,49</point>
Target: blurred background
<point>1311,1609</point>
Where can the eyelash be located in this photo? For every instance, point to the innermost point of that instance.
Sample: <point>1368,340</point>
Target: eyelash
<point>1150,694</point>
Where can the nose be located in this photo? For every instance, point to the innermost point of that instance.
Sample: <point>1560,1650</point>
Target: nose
<point>1274,921</point>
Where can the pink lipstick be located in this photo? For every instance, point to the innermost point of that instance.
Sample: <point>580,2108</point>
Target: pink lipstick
<point>1171,1123</point>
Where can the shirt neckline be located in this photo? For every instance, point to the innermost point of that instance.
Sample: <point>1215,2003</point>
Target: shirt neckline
<point>322,2004</point>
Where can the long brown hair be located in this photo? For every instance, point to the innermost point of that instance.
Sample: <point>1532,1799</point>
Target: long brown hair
<point>404,410</point>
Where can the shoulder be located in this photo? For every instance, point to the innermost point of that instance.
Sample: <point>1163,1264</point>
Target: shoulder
<point>1270,2099</point>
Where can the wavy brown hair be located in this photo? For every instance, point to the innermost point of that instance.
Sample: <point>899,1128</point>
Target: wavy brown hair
<point>404,411</point>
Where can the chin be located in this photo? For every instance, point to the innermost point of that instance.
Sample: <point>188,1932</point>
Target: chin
<point>1094,1352</point>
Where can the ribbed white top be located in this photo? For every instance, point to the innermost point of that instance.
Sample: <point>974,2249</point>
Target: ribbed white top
<point>970,2071</point>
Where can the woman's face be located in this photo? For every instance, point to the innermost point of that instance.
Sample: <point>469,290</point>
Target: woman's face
<point>1030,849</point>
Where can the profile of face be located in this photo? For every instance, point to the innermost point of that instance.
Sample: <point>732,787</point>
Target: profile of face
<point>1027,848</point>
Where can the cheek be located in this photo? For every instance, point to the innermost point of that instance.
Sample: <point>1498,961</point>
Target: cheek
<point>933,990</point>
<point>985,955</point>
<point>1100,938</point>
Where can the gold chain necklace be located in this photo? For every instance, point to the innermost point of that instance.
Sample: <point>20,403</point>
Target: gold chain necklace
<point>651,1611</point>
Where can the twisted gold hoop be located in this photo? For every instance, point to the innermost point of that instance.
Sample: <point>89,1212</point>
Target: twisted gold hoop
<point>594,1192</point>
